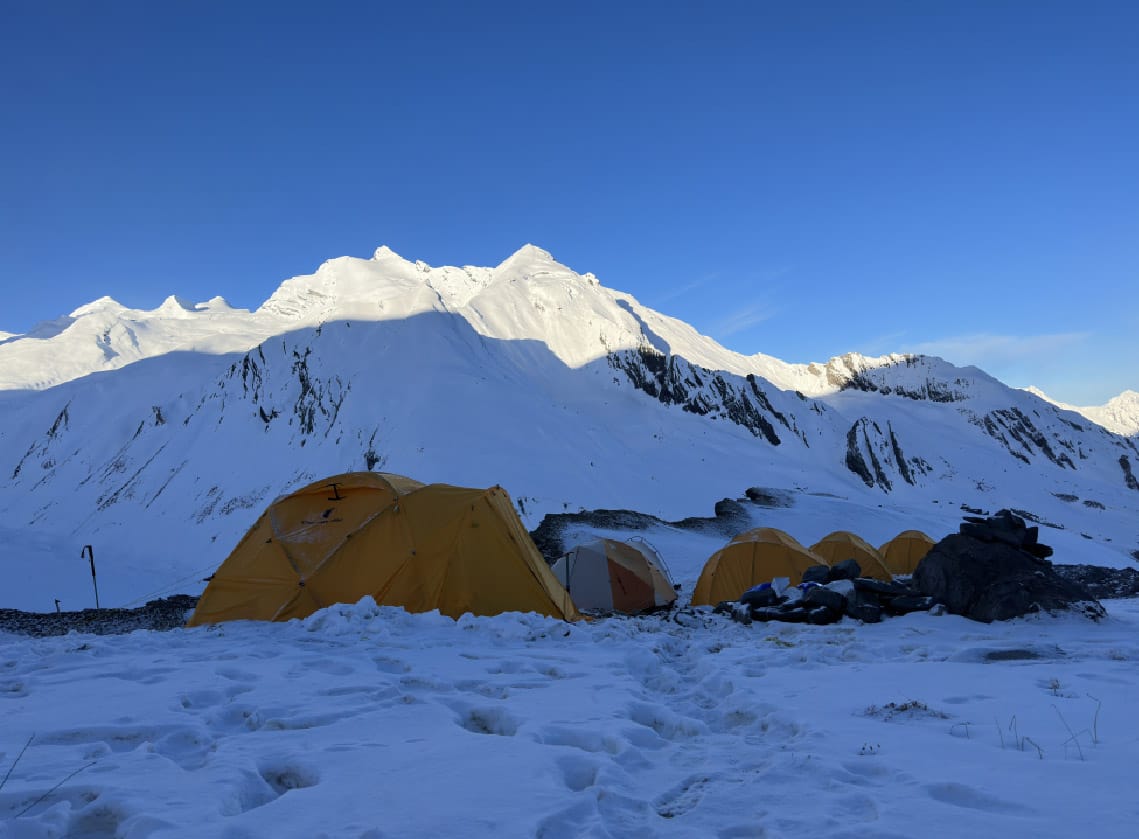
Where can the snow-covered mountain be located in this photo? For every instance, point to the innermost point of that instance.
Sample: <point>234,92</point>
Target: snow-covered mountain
<point>1120,414</point>
<point>529,296</point>
<point>159,436</point>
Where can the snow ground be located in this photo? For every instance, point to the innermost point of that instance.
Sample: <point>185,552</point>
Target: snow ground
<point>369,722</point>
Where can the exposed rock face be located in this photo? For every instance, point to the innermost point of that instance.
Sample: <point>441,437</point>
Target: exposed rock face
<point>1103,582</point>
<point>1128,476</point>
<point>674,381</point>
<point>994,569</point>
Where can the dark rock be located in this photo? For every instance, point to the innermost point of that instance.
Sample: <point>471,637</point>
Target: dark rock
<point>989,579</point>
<point>741,614</point>
<point>1004,527</point>
<point>1039,551</point>
<point>794,615</point>
<point>822,615</point>
<point>865,612</point>
<point>879,588</point>
<point>909,603</point>
<point>843,587</point>
<point>848,569</point>
<point>817,574</point>
<point>168,613</point>
<point>759,596</point>
<point>820,596</point>
<point>1102,582</point>
<point>727,508</point>
<point>766,497</point>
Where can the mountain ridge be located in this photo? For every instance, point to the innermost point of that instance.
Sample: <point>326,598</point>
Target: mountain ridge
<point>104,334</point>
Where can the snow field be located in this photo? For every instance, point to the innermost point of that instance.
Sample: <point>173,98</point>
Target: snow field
<point>367,722</point>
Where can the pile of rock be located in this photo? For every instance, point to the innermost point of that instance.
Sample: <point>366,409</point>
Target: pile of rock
<point>166,613</point>
<point>996,569</point>
<point>825,596</point>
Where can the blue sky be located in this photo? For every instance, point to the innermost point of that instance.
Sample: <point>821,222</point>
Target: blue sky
<point>800,179</point>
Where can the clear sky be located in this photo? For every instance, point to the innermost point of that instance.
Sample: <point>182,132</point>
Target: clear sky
<point>801,179</point>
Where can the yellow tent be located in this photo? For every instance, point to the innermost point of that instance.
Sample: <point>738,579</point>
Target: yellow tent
<point>842,544</point>
<point>421,547</point>
<point>754,557</point>
<point>903,553</point>
<point>615,576</point>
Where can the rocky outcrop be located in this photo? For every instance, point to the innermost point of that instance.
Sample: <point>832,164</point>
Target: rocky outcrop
<point>1016,432</point>
<point>873,455</point>
<point>672,380</point>
<point>1128,476</point>
<point>996,569</point>
<point>1102,582</point>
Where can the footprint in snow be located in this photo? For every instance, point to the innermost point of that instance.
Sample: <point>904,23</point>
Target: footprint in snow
<point>270,781</point>
<point>486,720</point>
<point>578,737</point>
<point>683,797</point>
<point>578,772</point>
<point>960,795</point>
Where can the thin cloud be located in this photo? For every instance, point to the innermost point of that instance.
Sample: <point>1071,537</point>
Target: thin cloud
<point>680,291</point>
<point>986,351</point>
<point>744,318</point>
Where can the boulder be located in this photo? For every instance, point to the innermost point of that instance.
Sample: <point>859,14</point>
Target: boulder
<point>864,611</point>
<point>763,595</point>
<point>907,603</point>
<point>769,613</point>
<point>843,587</point>
<point>868,585</point>
<point>848,569</point>
<point>817,574</point>
<point>990,571</point>
<point>820,596</point>
<point>822,615</point>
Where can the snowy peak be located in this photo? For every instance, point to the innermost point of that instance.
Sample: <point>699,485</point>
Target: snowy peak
<point>101,306</point>
<point>105,335</point>
<point>527,257</point>
<point>176,307</point>
<point>215,305</point>
<point>529,296</point>
<point>1119,415</point>
<point>383,252</point>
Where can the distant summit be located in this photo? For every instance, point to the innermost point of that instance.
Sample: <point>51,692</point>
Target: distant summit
<point>528,296</point>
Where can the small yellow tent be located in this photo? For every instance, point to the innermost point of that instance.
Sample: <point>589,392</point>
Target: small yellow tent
<point>903,553</point>
<point>421,547</point>
<point>615,576</point>
<point>842,544</point>
<point>754,557</point>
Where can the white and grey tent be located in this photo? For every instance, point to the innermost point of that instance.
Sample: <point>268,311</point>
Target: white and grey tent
<point>615,576</point>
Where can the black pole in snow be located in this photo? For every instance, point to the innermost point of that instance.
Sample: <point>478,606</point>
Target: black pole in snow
<point>89,552</point>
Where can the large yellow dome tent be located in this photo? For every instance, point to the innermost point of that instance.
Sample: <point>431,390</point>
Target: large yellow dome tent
<point>753,557</point>
<point>615,576</point>
<point>421,547</point>
<point>842,544</point>
<point>902,554</point>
